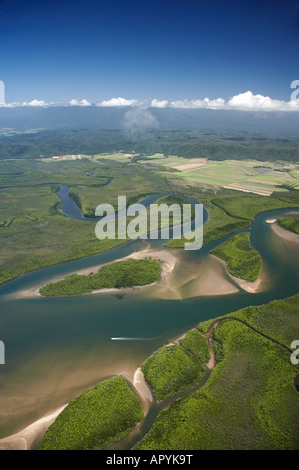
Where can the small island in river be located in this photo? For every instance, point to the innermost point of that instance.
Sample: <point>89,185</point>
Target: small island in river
<point>242,261</point>
<point>127,273</point>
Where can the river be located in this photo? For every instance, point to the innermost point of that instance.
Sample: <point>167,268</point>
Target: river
<point>57,348</point>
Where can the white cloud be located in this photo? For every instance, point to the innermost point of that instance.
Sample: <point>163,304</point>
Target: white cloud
<point>244,101</point>
<point>75,102</point>
<point>119,102</point>
<point>36,103</point>
<point>158,103</point>
<point>16,104</point>
<point>206,103</point>
<point>250,101</point>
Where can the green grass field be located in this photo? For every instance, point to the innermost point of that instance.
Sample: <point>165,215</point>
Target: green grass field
<point>95,419</point>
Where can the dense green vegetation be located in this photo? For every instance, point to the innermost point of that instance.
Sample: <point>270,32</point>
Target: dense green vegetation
<point>30,220</point>
<point>33,232</point>
<point>291,224</point>
<point>95,419</point>
<point>171,370</point>
<point>230,211</point>
<point>243,261</point>
<point>250,401</point>
<point>169,200</point>
<point>95,140</point>
<point>197,345</point>
<point>129,273</point>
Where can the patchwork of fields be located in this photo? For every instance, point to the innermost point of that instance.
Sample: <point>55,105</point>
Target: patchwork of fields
<point>247,175</point>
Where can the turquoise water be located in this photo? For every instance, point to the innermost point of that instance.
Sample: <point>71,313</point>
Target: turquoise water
<point>57,348</point>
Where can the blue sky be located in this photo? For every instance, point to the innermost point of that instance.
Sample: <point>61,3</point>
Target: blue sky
<point>56,50</point>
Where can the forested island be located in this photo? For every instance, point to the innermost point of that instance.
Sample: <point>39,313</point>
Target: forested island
<point>129,273</point>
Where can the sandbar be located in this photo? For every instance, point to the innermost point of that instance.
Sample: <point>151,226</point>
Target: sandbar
<point>25,439</point>
<point>169,262</point>
<point>285,234</point>
<point>249,286</point>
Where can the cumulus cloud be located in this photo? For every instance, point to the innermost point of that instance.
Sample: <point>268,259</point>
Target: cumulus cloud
<point>119,102</point>
<point>75,102</point>
<point>244,101</point>
<point>250,101</point>
<point>16,104</point>
<point>158,103</point>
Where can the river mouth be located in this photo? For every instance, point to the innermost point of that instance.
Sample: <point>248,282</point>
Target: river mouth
<point>58,348</point>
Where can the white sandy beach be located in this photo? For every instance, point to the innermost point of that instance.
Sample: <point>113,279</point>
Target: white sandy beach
<point>25,439</point>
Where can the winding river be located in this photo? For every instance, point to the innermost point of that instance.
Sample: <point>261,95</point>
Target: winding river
<point>56,348</point>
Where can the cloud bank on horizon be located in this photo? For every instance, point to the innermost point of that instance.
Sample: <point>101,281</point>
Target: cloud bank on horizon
<point>244,101</point>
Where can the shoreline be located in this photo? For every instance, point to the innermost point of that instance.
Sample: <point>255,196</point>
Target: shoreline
<point>169,262</point>
<point>251,287</point>
<point>284,234</point>
<point>25,439</point>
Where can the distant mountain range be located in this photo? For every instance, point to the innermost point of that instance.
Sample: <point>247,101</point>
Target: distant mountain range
<point>76,117</point>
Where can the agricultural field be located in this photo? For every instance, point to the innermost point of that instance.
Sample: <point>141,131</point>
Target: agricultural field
<point>246,176</point>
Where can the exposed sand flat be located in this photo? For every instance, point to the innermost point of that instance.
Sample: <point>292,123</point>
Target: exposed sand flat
<point>25,439</point>
<point>211,280</point>
<point>199,278</point>
<point>292,214</point>
<point>285,234</point>
<point>251,287</point>
<point>141,386</point>
<point>212,362</point>
<point>248,286</point>
<point>271,221</point>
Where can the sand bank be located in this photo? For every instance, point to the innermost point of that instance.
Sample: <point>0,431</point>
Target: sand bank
<point>169,261</point>
<point>248,286</point>
<point>285,234</point>
<point>212,280</point>
<point>24,440</point>
<point>141,386</point>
